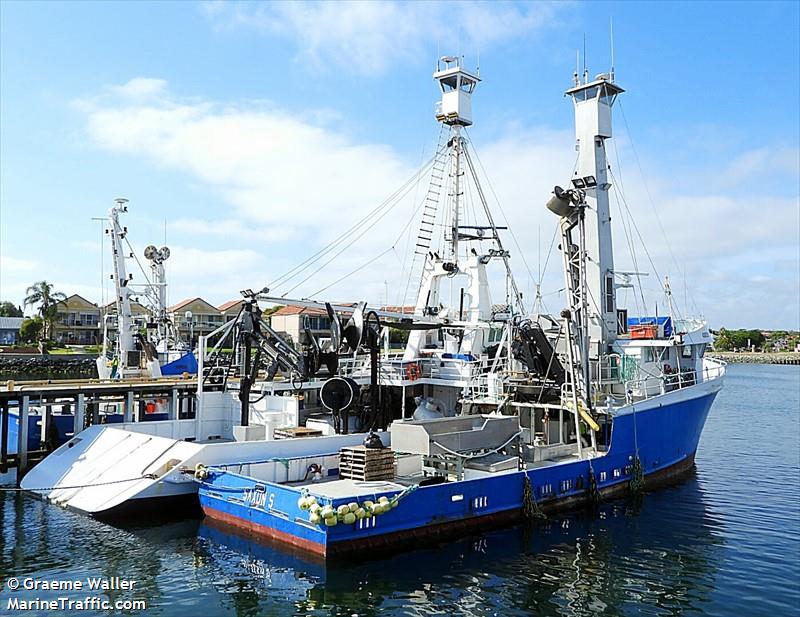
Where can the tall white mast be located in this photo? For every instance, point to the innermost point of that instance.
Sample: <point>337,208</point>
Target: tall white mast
<point>593,101</point>
<point>125,326</point>
<point>157,257</point>
<point>455,111</point>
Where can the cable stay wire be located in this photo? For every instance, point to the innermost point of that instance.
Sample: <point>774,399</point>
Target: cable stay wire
<point>406,228</point>
<point>641,240</point>
<point>389,203</point>
<point>502,212</point>
<point>407,248</point>
<point>650,199</point>
<point>406,189</point>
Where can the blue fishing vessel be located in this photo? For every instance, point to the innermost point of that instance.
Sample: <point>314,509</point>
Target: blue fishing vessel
<point>518,412</point>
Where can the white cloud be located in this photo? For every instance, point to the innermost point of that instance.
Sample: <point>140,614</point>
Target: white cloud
<point>281,175</point>
<point>16,264</point>
<point>368,37</point>
<point>234,228</point>
<point>140,88</point>
<point>216,275</point>
<point>268,164</point>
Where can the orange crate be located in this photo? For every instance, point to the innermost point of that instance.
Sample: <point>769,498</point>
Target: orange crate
<point>644,331</point>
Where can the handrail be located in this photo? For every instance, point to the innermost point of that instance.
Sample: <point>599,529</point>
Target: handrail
<point>640,389</point>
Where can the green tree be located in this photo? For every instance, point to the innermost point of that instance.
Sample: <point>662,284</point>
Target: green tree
<point>728,340</point>
<point>31,330</point>
<point>8,309</point>
<point>44,294</point>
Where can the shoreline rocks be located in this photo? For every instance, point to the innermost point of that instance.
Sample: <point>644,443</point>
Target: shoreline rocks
<point>748,357</point>
<point>57,366</point>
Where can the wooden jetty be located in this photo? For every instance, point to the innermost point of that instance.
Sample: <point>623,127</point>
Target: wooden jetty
<point>84,400</point>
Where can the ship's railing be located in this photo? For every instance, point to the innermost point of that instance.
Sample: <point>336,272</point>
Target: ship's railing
<point>487,380</point>
<point>609,368</point>
<point>713,368</point>
<point>394,368</point>
<point>648,387</point>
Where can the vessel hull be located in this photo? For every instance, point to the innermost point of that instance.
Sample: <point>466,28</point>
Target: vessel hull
<point>663,431</point>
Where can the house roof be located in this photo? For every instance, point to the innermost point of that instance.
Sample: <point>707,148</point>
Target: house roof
<point>292,309</point>
<point>176,307</point>
<point>230,304</point>
<point>407,310</point>
<point>66,300</point>
<point>11,323</point>
<point>112,306</point>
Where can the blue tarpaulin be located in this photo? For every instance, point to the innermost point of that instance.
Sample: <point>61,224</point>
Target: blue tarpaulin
<point>184,364</point>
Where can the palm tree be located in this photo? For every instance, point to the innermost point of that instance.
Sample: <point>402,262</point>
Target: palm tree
<point>43,294</point>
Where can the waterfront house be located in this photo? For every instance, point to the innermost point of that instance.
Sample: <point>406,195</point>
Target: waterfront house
<point>195,317</point>
<point>230,309</point>
<point>9,330</point>
<point>77,321</point>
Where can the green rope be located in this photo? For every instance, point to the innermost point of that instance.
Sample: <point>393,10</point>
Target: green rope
<point>530,508</point>
<point>637,478</point>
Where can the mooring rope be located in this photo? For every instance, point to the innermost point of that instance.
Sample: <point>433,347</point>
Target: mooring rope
<point>594,491</point>
<point>636,484</point>
<point>530,507</point>
<point>12,489</point>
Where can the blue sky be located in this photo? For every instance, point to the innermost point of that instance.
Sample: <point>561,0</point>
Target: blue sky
<point>258,131</point>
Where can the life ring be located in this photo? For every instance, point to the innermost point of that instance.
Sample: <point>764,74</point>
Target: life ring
<point>413,371</point>
<point>150,407</point>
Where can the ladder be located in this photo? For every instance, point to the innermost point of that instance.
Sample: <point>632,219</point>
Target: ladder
<point>430,208</point>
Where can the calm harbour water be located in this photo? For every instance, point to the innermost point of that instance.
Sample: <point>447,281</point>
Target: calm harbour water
<point>725,541</point>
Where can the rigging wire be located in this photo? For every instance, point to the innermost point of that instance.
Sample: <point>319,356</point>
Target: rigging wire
<point>351,273</point>
<point>627,232</point>
<point>650,199</point>
<point>389,203</point>
<point>500,206</point>
<point>393,247</point>
<point>632,249</point>
<point>406,251</point>
<point>641,239</point>
<point>359,236</point>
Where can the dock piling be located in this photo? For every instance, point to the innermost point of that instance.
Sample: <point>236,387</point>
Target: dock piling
<point>80,413</point>
<point>128,407</point>
<point>4,420</point>
<point>22,438</point>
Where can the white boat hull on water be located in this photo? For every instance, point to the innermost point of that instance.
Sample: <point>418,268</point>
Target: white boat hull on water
<point>107,470</point>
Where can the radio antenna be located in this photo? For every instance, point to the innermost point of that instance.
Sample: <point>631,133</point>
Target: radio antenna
<point>611,33</point>
<point>585,71</point>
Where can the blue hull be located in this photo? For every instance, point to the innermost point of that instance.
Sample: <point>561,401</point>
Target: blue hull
<point>63,425</point>
<point>667,437</point>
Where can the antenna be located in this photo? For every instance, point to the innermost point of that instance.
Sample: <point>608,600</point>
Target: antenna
<point>611,34</point>
<point>102,265</point>
<point>585,71</point>
<point>576,77</point>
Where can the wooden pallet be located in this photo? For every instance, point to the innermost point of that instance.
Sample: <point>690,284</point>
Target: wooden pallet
<point>366,464</point>
<point>295,432</point>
